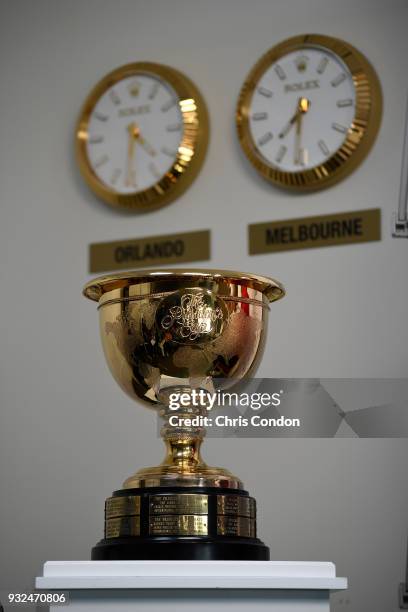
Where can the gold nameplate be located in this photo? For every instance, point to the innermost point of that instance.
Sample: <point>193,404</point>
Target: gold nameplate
<point>236,526</point>
<point>122,527</point>
<point>190,503</point>
<point>122,506</point>
<point>236,505</point>
<point>150,251</point>
<point>310,232</point>
<point>182,525</point>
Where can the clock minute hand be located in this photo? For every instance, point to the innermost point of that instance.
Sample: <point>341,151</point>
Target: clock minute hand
<point>133,133</point>
<point>298,135</point>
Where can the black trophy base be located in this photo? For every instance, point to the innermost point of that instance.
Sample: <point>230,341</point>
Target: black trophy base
<point>179,549</point>
<point>174,523</point>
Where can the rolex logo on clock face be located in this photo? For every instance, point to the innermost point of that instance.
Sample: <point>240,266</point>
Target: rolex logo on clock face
<point>309,112</point>
<point>142,135</point>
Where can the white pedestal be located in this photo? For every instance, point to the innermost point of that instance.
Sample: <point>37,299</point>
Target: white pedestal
<point>230,586</point>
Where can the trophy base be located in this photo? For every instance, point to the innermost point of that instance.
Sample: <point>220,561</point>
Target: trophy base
<point>171,549</point>
<point>180,523</point>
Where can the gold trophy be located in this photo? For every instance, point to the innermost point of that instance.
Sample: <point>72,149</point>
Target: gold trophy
<point>183,333</point>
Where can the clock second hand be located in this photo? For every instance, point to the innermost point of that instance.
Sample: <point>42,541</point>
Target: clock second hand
<point>146,145</point>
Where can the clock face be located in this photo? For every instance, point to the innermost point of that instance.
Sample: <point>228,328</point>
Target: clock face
<point>141,136</point>
<point>309,112</point>
<point>302,108</point>
<point>134,133</point>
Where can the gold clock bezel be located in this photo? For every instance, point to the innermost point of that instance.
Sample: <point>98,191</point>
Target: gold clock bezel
<point>191,151</point>
<point>360,135</point>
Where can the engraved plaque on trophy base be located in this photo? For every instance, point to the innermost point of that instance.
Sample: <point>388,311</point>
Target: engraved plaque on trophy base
<point>201,523</point>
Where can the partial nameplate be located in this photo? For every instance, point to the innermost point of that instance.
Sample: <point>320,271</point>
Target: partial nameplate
<point>236,505</point>
<point>181,525</point>
<point>312,232</point>
<point>181,503</point>
<point>150,251</point>
<point>238,526</point>
<point>128,505</point>
<point>122,527</point>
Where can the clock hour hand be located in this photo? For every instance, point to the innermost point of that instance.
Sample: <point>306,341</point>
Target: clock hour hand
<point>289,124</point>
<point>298,153</point>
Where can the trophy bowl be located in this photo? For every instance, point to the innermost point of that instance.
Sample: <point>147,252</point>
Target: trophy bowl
<point>175,332</point>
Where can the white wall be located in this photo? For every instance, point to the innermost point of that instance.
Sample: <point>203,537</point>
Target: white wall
<point>68,436</point>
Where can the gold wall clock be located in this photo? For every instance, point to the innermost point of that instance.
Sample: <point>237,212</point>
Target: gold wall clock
<point>141,136</point>
<point>308,112</point>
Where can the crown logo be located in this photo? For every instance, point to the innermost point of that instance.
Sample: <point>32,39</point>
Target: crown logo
<point>301,63</point>
<point>134,88</point>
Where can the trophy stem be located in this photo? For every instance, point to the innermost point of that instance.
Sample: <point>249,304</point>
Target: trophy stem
<point>183,442</point>
<point>183,433</point>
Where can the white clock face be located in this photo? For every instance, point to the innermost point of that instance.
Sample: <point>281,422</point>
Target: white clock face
<point>134,133</point>
<point>301,109</point>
